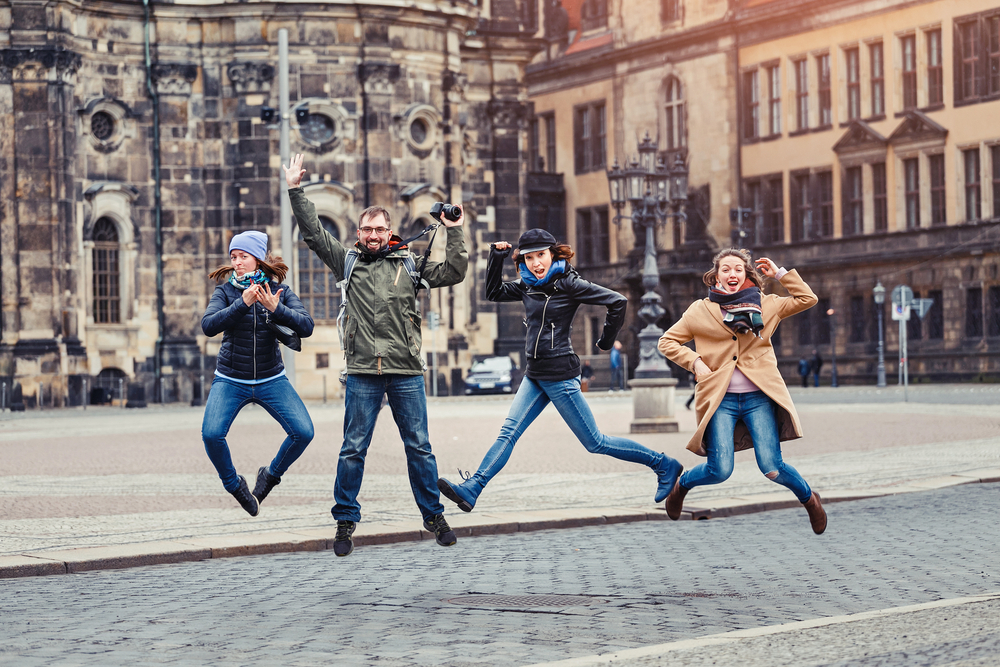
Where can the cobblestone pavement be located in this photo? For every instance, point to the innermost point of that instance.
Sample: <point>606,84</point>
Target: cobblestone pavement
<point>110,476</point>
<point>638,585</point>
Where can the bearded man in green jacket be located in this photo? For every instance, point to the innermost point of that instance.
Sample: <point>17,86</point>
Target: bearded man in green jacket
<point>381,340</point>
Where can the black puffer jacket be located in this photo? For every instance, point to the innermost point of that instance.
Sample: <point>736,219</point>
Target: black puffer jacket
<point>249,349</point>
<point>550,309</point>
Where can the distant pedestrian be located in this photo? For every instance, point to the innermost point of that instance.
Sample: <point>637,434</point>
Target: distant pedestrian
<point>804,367</point>
<point>552,291</point>
<point>617,367</point>
<point>815,364</point>
<point>249,368</point>
<point>693,380</point>
<point>742,401</point>
<point>586,375</point>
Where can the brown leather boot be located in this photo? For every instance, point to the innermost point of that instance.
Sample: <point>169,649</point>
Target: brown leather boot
<point>817,515</point>
<point>675,500</point>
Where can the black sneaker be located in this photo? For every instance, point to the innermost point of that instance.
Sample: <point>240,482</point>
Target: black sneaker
<point>245,498</point>
<point>343,545</point>
<point>443,533</point>
<point>265,482</point>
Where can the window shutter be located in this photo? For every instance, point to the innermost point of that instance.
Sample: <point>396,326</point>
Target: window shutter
<point>956,62</point>
<point>578,148</point>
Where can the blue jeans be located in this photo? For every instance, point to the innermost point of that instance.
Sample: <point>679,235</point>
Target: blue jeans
<point>408,402</point>
<point>757,412</point>
<point>618,377</point>
<point>531,398</point>
<point>278,397</point>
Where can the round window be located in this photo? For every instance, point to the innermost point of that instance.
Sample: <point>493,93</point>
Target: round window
<point>102,125</point>
<point>418,131</point>
<point>318,129</point>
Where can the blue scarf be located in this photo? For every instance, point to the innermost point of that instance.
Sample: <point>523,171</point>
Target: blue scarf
<point>557,268</point>
<point>248,279</point>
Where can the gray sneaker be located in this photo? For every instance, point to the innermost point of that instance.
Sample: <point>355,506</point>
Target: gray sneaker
<point>343,545</point>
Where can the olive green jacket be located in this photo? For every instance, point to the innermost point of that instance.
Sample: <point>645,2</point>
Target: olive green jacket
<point>381,325</point>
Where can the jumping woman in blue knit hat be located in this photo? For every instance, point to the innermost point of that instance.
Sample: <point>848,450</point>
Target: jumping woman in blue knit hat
<point>249,367</point>
<point>552,291</point>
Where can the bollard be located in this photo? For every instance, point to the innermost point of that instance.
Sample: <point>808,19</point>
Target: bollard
<point>3,397</point>
<point>41,394</point>
<point>121,391</point>
<point>324,389</point>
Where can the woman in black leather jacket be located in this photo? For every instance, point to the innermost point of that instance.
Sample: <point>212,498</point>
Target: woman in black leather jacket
<point>249,367</point>
<point>552,291</point>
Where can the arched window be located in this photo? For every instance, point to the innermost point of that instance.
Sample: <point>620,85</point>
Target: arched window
<point>317,284</point>
<point>107,286</point>
<point>113,381</point>
<point>675,114</point>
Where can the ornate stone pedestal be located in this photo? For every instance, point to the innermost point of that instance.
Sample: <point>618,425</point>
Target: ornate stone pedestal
<point>653,405</point>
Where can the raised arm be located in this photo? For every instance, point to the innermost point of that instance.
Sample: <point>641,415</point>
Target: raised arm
<point>456,262</point>
<point>320,241</point>
<point>587,292</point>
<point>496,289</point>
<point>799,298</point>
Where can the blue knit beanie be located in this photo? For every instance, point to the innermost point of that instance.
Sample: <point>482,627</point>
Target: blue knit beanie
<point>252,242</point>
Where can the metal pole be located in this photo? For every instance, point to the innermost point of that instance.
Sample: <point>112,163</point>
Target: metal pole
<point>324,389</point>
<point>287,248</point>
<point>86,396</point>
<point>434,363</point>
<point>902,352</point>
<point>121,391</point>
<point>906,361</point>
<point>3,397</point>
<point>833,348</point>
<point>41,394</point>
<point>881,349</point>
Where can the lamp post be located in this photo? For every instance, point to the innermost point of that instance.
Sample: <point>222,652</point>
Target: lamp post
<point>879,293</point>
<point>833,347</point>
<point>654,193</point>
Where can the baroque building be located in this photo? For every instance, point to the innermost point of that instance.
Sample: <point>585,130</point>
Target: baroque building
<point>132,148</point>
<point>853,140</point>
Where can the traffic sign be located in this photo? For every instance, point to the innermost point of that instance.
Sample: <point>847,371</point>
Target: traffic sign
<point>922,306</point>
<point>902,294</point>
<point>900,312</point>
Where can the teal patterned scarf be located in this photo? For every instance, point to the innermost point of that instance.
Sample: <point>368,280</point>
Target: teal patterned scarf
<point>247,279</point>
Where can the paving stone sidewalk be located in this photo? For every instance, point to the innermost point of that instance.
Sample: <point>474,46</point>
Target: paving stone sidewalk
<point>92,485</point>
<point>630,586</point>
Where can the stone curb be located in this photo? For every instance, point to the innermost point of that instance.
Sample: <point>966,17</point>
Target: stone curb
<point>465,525</point>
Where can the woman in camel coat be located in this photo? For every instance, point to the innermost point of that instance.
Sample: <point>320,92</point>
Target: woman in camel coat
<point>741,400</point>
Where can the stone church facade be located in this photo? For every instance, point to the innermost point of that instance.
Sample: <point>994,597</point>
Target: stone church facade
<point>104,257</point>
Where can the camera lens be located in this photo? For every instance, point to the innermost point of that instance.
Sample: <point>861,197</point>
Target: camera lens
<point>451,212</point>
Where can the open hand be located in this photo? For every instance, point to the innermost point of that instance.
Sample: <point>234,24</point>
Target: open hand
<point>767,267</point>
<point>294,172</point>
<point>269,300</point>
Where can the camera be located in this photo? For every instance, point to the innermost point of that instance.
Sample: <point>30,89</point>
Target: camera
<point>449,211</point>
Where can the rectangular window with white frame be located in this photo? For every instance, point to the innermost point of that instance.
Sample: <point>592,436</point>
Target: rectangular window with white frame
<point>908,50</point>
<point>852,62</point>
<point>801,94</point>
<point>911,191</point>
<point>973,187</point>
<point>774,99</point>
<point>875,57</point>
<point>935,69</point>
<point>976,50</point>
<point>938,215</point>
<point>825,100</point>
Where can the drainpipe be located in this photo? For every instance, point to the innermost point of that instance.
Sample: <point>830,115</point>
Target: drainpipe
<point>157,212</point>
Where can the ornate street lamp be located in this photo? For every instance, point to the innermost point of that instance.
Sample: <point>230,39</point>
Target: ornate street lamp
<point>879,293</point>
<point>655,194</point>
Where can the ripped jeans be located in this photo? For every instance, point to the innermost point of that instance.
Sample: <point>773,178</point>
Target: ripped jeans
<point>757,412</point>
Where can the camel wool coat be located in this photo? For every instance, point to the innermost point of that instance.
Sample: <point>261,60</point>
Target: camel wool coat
<point>723,350</point>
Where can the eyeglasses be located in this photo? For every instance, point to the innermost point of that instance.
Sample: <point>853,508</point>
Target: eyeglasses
<point>368,231</point>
